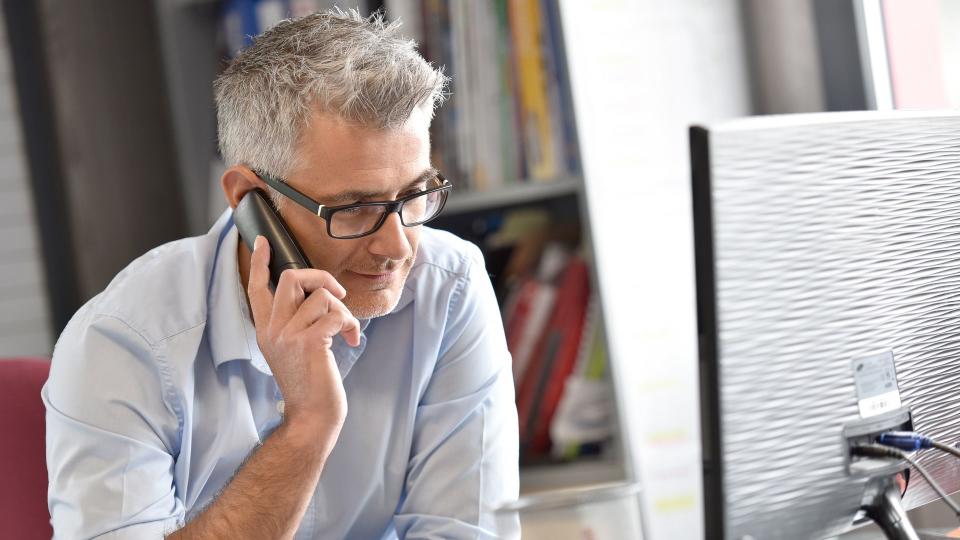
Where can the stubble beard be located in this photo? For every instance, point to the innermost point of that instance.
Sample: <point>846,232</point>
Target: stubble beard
<point>370,303</point>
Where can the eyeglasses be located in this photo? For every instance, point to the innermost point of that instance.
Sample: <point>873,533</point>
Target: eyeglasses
<point>350,221</point>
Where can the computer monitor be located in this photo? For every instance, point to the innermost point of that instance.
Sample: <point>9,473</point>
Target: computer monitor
<point>828,278</point>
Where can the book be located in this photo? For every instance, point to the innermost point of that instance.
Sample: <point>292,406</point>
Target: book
<point>485,102</point>
<point>509,115</point>
<point>462,85</point>
<point>585,415</point>
<point>568,152</point>
<point>553,360</point>
<point>438,49</point>
<point>531,311</point>
<point>511,151</point>
<point>537,132</point>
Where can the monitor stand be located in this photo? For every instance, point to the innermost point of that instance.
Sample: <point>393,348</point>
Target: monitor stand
<point>888,513</point>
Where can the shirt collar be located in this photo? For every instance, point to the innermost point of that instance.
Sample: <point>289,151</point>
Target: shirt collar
<point>406,296</point>
<point>231,332</point>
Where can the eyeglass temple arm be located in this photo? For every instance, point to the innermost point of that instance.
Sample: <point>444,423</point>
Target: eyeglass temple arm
<point>291,193</point>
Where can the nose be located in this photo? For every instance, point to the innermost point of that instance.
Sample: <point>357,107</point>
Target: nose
<point>390,241</point>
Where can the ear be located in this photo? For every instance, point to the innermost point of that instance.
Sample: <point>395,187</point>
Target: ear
<point>237,181</point>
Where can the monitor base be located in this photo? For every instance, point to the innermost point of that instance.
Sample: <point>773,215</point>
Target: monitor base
<point>888,513</point>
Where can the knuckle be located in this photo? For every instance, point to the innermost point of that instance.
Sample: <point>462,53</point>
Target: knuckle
<point>320,300</point>
<point>285,278</point>
<point>334,316</point>
<point>327,294</point>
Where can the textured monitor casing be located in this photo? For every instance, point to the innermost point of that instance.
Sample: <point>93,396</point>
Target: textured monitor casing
<point>820,239</point>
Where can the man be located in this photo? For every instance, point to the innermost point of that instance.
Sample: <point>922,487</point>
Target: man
<point>367,397</point>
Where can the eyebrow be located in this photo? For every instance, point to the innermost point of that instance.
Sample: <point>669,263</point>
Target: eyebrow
<point>359,195</point>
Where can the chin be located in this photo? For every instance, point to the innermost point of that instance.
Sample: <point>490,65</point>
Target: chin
<point>372,304</point>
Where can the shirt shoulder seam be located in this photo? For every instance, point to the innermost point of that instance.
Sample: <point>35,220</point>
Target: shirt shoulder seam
<point>457,295</point>
<point>166,379</point>
<point>152,343</point>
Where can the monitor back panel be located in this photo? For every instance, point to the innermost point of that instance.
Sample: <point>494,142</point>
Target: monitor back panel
<point>834,237</point>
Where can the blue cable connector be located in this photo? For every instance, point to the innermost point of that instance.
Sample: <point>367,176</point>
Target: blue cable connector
<point>905,440</point>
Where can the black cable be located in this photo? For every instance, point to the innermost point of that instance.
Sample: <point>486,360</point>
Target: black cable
<point>876,450</point>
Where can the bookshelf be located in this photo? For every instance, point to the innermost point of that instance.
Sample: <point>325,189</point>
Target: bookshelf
<point>508,132</point>
<point>520,174</point>
<point>524,192</point>
<point>540,478</point>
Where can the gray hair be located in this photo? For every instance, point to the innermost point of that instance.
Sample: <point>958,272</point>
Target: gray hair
<point>358,68</point>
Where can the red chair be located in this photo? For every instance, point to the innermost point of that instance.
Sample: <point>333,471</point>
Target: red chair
<point>23,465</point>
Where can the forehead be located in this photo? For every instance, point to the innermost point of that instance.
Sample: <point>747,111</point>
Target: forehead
<point>337,156</point>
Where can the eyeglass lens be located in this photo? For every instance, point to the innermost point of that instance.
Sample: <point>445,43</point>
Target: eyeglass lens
<point>363,219</point>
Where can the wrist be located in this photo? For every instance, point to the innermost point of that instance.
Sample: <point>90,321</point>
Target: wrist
<point>309,433</point>
<point>319,415</point>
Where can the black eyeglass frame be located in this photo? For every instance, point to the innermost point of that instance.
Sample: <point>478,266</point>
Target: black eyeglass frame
<point>326,212</point>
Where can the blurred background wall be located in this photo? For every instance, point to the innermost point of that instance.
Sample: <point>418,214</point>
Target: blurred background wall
<point>111,122</point>
<point>25,319</point>
<point>563,115</point>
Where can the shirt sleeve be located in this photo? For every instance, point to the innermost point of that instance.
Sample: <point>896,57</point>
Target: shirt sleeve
<point>464,460</point>
<point>111,435</point>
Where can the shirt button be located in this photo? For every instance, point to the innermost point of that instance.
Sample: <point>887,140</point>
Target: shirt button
<point>280,406</point>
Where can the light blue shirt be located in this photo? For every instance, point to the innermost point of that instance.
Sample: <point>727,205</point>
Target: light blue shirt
<point>158,392</point>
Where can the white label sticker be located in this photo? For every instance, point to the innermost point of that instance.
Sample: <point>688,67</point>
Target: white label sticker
<point>876,381</point>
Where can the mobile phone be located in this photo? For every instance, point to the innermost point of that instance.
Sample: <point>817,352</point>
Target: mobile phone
<point>254,216</point>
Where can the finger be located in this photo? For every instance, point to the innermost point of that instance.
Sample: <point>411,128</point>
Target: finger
<point>351,332</point>
<point>293,288</point>
<point>286,298</point>
<point>320,304</point>
<point>336,322</point>
<point>258,290</point>
<point>311,279</point>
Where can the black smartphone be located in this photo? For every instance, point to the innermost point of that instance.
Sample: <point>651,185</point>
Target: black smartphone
<point>254,216</point>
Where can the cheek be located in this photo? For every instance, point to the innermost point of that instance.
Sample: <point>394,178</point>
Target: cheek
<point>325,253</point>
<point>331,255</point>
<point>336,256</point>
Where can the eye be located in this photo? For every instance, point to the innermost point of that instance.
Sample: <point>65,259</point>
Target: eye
<point>414,190</point>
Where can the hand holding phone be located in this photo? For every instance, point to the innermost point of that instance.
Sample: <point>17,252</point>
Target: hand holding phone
<point>296,323</point>
<point>295,327</point>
